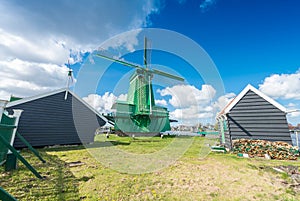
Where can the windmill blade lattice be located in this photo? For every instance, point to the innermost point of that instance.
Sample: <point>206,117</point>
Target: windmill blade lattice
<point>158,72</point>
<point>125,63</point>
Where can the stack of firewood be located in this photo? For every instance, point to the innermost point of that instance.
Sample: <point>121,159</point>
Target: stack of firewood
<point>263,148</point>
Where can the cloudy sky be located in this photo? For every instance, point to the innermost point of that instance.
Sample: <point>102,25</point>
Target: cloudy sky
<point>250,41</point>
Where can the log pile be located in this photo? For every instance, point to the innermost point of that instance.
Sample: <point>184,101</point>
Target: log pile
<point>263,148</point>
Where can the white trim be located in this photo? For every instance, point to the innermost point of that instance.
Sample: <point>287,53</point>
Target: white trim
<point>16,115</point>
<point>3,104</point>
<point>25,100</point>
<point>28,99</point>
<point>259,93</point>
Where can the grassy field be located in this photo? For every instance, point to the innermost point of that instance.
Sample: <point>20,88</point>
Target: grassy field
<point>77,173</point>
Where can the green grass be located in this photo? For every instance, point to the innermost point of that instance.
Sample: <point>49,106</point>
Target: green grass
<point>193,176</point>
<point>139,145</point>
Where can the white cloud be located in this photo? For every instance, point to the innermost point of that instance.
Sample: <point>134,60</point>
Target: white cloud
<point>191,104</point>
<point>294,114</point>
<point>293,110</point>
<point>128,40</point>
<point>161,102</point>
<point>206,4</point>
<point>46,51</point>
<point>22,78</point>
<point>291,105</point>
<point>103,103</point>
<point>183,96</point>
<point>191,114</point>
<point>188,115</point>
<point>42,34</point>
<point>122,97</point>
<point>4,95</point>
<point>84,21</point>
<point>222,101</point>
<point>284,86</point>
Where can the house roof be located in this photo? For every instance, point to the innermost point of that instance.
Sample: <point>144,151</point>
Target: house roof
<point>249,87</point>
<point>25,100</point>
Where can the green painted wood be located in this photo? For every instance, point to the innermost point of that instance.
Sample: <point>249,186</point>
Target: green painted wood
<point>6,132</point>
<point>11,162</point>
<point>23,160</point>
<point>34,151</point>
<point>208,132</point>
<point>5,196</point>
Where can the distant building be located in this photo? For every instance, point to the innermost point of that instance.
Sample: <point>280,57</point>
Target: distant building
<point>56,118</point>
<point>253,115</point>
<point>293,128</point>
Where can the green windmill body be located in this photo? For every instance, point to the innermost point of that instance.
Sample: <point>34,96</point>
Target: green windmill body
<point>139,115</point>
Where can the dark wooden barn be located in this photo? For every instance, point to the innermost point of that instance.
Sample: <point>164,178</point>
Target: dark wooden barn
<point>56,118</point>
<point>253,115</point>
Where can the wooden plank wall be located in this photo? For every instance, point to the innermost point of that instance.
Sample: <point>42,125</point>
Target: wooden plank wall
<point>52,120</point>
<point>255,118</point>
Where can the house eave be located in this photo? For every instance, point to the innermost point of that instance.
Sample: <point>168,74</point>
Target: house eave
<point>29,99</point>
<point>259,93</point>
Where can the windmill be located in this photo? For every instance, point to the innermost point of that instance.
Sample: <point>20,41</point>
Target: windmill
<point>139,114</point>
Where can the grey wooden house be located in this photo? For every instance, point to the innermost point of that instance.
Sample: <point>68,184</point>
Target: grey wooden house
<point>56,118</point>
<point>253,115</point>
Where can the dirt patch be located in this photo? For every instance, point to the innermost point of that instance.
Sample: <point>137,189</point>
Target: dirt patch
<point>292,176</point>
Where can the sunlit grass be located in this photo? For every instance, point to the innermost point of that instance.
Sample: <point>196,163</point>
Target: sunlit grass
<point>194,176</point>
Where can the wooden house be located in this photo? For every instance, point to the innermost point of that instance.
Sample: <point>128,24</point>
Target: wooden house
<point>56,118</point>
<point>253,115</point>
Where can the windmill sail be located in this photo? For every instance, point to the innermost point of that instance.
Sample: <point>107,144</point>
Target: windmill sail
<point>158,72</point>
<point>147,52</point>
<point>125,63</point>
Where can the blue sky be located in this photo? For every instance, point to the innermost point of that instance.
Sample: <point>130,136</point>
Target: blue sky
<point>249,41</point>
